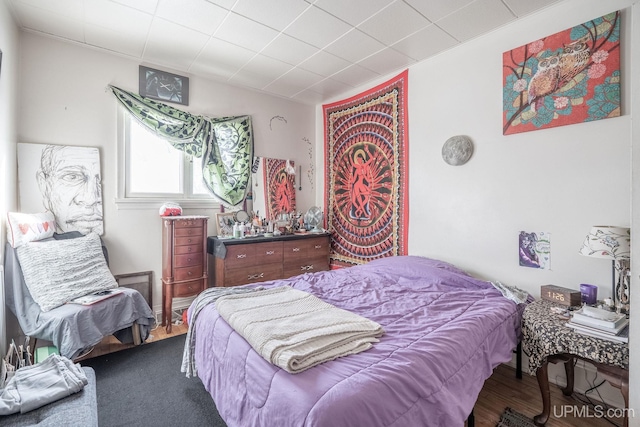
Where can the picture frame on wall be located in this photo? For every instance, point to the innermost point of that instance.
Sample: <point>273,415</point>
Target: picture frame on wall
<point>163,86</point>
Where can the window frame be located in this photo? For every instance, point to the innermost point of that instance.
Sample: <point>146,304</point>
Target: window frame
<point>125,200</point>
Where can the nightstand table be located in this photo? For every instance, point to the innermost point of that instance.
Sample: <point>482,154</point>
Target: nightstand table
<point>546,339</point>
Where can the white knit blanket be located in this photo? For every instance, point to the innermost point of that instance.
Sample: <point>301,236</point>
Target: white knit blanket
<point>294,329</point>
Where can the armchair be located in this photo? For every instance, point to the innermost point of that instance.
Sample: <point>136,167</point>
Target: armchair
<point>75,328</point>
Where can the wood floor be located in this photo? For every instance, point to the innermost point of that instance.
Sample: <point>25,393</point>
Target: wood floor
<point>501,390</point>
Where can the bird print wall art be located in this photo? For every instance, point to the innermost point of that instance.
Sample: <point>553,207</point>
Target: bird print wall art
<point>569,77</point>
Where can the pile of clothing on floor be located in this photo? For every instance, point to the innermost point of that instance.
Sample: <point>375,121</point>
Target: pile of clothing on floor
<point>25,386</point>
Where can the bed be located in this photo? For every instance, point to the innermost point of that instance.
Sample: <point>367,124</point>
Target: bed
<point>445,332</point>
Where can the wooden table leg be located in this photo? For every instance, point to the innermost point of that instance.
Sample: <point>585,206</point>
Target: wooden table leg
<point>568,369</point>
<point>543,382</point>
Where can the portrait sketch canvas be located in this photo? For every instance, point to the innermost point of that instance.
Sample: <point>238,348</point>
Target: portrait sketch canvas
<point>572,76</point>
<point>65,180</point>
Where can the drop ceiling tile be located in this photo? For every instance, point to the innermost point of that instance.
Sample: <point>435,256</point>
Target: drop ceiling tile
<point>525,7</point>
<point>251,79</point>
<point>283,88</point>
<point>354,46</point>
<point>355,75</point>
<point>227,4</point>
<point>267,66</point>
<point>475,19</point>
<point>287,49</point>
<point>244,32</point>
<point>114,41</point>
<point>386,61</point>
<point>330,87</point>
<point>301,78</point>
<point>276,14</point>
<point>434,10</point>
<point>317,27</point>
<point>199,15</point>
<point>352,11</point>
<point>46,22</point>
<point>117,17</point>
<point>425,43</point>
<point>308,97</point>
<point>324,63</point>
<point>67,8</point>
<point>173,45</point>
<point>394,23</point>
<point>148,6</point>
<point>221,58</point>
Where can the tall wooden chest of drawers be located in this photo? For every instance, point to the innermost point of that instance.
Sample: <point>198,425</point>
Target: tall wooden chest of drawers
<point>250,260</point>
<point>184,260</point>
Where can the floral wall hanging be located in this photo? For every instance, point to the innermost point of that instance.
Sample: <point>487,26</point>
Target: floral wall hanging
<point>569,77</point>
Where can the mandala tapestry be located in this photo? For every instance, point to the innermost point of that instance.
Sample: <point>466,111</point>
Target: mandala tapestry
<point>569,77</point>
<point>366,171</point>
<point>279,187</point>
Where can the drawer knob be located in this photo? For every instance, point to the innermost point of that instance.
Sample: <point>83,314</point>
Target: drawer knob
<point>188,259</point>
<point>296,249</point>
<point>270,252</point>
<point>241,256</point>
<point>318,246</point>
<point>189,250</point>
<point>189,240</point>
<point>189,273</point>
<point>306,267</point>
<point>255,276</point>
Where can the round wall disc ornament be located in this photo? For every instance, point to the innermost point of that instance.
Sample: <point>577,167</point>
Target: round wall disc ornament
<point>457,150</point>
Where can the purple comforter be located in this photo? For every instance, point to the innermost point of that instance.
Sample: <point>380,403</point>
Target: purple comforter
<point>445,332</point>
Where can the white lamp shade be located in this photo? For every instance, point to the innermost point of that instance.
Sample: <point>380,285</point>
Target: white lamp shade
<point>607,242</point>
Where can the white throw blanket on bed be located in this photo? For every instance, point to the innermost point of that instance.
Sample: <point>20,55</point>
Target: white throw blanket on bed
<point>294,329</point>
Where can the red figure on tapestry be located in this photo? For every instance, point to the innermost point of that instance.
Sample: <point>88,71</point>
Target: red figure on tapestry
<point>361,182</point>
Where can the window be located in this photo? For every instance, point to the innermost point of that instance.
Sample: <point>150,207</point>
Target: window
<point>152,171</point>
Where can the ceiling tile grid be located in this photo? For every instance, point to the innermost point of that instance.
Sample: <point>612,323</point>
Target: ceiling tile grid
<point>305,50</point>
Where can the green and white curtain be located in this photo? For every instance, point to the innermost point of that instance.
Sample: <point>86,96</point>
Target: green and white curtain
<point>225,144</point>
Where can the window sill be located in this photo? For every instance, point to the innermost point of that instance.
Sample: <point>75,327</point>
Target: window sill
<point>142,203</point>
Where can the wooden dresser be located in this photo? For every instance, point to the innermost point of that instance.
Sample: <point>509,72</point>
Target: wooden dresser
<point>256,259</point>
<point>184,260</point>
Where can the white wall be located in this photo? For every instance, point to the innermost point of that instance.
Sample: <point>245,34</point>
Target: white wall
<point>562,180</point>
<point>64,101</point>
<point>8,126</point>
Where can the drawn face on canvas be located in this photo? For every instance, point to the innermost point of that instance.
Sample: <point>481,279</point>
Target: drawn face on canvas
<point>69,180</point>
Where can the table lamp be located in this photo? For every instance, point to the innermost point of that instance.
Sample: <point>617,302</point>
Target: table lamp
<point>612,243</point>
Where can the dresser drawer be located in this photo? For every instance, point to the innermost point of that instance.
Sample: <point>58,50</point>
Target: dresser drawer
<point>189,240</point>
<point>185,223</point>
<point>188,249</point>
<point>187,289</point>
<point>186,273</point>
<point>306,248</point>
<point>251,255</point>
<point>260,273</point>
<point>188,260</point>
<point>309,265</point>
<point>189,232</point>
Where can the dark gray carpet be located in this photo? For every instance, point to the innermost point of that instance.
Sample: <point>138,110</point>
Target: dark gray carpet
<point>511,418</point>
<point>143,386</point>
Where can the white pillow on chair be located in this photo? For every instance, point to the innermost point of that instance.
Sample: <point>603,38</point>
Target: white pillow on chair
<point>57,271</point>
<point>23,227</point>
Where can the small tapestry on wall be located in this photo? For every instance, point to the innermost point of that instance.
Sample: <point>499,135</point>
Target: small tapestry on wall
<point>65,180</point>
<point>569,77</point>
<point>279,187</point>
<point>534,249</point>
<point>366,171</point>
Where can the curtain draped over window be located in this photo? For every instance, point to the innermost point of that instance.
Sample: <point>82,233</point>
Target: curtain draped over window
<point>225,144</point>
